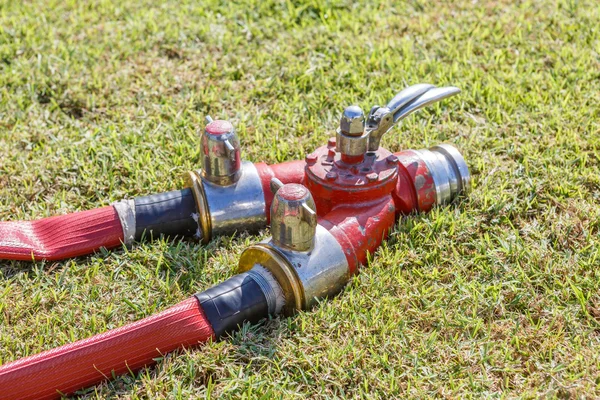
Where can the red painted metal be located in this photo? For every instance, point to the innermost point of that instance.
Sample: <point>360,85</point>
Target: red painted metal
<point>358,199</point>
<point>352,159</point>
<point>333,182</point>
<point>415,190</point>
<point>360,229</point>
<point>87,362</point>
<point>287,172</point>
<point>59,237</point>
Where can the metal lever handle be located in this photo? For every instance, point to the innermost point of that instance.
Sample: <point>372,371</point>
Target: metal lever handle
<point>411,99</point>
<point>407,96</point>
<point>426,98</point>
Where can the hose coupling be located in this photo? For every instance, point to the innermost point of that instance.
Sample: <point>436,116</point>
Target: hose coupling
<point>229,193</point>
<point>439,176</point>
<point>303,256</point>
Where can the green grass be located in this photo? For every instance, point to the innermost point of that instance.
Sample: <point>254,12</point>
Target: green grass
<point>495,296</point>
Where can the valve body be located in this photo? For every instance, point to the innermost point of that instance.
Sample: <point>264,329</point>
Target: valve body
<point>358,190</point>
<point>357,201</point>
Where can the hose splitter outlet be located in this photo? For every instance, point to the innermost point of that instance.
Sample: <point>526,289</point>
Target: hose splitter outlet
<point>326,212</point>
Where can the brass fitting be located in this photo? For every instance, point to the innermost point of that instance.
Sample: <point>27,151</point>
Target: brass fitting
<point>350,137</point>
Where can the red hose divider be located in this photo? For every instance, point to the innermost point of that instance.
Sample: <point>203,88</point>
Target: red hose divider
<point>87,362</point>
<point>60,237</point>
<point>360,229</point>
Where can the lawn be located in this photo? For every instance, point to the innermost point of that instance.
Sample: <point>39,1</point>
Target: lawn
<point>497,295</point>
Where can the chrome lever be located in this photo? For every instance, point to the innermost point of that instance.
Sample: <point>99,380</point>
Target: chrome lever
<point>407,96</point>
<point>411,99</point>
<point>426,98</point>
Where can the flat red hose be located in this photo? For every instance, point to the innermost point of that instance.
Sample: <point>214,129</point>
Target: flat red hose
<point>60,237</point>
<point>87,362</point>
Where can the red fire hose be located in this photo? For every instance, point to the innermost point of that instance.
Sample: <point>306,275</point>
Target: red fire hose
<point>172,213</point>
<point>62,236</point>
<point>246,297</point>
<point>78,365</point>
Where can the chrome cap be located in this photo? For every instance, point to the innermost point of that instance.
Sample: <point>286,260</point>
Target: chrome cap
<point>293,216</point>
<point>352,122</point>
<point>220,151</point>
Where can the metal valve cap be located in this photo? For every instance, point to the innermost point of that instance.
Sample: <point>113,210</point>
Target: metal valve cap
<point>293,217</point>
<point>352,122</point>
<point>351,140</point>
<point>220,152</point>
